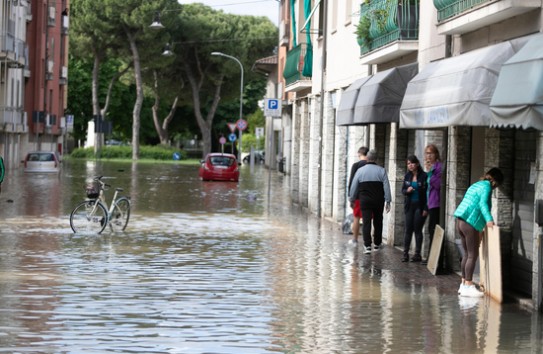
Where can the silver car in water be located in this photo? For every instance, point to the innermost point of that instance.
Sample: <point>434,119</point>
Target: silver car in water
<point>42,162</point>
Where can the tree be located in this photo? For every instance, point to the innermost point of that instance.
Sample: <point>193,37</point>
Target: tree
<point>192,79</point>
<point>112,28</point>
<point>92,30</point>
<point>80,95</point>
<point>132,17</point>
<point>200,31</point>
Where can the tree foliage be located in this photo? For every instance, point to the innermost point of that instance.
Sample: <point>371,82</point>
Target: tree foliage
<point>110,36</point>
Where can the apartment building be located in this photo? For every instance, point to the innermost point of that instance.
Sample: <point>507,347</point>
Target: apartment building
<point>396,75</point>
<point>33,77</point>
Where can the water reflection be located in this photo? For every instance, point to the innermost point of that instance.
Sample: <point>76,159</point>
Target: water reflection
<point>220,268</point>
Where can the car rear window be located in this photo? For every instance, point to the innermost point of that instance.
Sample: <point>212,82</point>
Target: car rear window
<point>40,157</point>
<point>221,161</point>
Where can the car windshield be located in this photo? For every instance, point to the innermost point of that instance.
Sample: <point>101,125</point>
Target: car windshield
<point>221,161</point>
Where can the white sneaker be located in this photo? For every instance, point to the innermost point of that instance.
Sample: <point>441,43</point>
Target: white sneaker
<point>471,291</point>
<point>353,243</point>
<point>367,249</point>
<point>460,288</point>
<point>377,247</point>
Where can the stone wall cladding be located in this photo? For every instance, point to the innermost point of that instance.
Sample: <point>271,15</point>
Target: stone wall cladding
<point>341,173</point>
<point>314,155</point>
<point>328,161</point>
<point>296,146</point>
<point>304,152</point>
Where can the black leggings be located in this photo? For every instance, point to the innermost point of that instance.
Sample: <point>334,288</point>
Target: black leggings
<point>470,243</point>
<point>414,221</point>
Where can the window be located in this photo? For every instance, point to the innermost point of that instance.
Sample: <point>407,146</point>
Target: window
<point>348,11</point>
<point>335,14</point>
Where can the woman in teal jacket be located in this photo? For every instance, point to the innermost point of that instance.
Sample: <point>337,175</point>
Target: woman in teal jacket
<point>473,214</point>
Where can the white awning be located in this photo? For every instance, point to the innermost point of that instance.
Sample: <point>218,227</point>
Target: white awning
<point>377,97</point>
<point>518,99</point>
<point>456,90</point>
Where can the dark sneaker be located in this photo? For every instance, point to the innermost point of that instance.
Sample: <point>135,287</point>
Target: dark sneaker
<point>416,258</point>
<point>405,258</point>
<point>424,261</point>
<point>376,247</point>
<point>367,249</point>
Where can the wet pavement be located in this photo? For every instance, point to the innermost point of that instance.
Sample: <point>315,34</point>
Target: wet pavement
<point>207,267</point>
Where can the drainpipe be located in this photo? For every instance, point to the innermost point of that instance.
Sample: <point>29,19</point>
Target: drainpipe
<point>45,81</point>
<point>444,159</point>
<point>367,135</point>
<point>323,71</point>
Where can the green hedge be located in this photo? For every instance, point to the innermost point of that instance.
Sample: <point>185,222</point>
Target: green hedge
<point>125,152</point>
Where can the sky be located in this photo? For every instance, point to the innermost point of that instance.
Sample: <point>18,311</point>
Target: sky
<point>268,8</point>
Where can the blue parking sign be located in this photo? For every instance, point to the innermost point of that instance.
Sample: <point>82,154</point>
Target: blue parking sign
<point>272,107</point>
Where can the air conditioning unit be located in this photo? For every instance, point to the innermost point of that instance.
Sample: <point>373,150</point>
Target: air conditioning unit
<point>50,66</point>
<point>284,32</point>
<point>28,12</point>
<point>48,120</point>
<point>65,22</point>
<point>51,16</point>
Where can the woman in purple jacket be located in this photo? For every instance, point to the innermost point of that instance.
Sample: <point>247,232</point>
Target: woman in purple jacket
<point>433,170</point>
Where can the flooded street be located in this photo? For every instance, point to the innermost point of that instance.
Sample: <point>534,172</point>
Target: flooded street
<point>220,267</point>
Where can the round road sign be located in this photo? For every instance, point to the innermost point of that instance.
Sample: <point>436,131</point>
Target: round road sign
<point>241,124</point>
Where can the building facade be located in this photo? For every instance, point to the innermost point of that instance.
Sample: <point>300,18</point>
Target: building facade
<point>396,75</point>
<point>34,73</point>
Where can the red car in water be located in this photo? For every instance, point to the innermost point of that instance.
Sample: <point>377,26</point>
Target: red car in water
<point>219,167</point>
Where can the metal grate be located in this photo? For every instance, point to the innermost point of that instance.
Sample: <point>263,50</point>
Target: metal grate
<point>390,21</point>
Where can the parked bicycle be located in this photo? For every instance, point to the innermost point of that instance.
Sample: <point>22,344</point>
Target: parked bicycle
<point>93,215</point>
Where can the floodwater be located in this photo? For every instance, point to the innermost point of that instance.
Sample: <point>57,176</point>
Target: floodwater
<point>218,267</point>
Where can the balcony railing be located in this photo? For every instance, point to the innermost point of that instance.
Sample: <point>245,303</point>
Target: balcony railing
<point>450,8</point>
<point>296,62</point>
<point>7,43</point>
<point>10,115</point>
<point>386,21</point>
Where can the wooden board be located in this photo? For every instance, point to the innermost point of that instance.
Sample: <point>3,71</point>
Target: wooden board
<point>435,251</point>
<point>490,264</point>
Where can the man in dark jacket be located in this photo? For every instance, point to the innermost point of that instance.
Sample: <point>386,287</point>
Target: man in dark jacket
<point>357,213</point>
<point>370,185</point>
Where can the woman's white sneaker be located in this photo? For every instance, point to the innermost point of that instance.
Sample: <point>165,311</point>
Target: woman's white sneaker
<point>471,291</point>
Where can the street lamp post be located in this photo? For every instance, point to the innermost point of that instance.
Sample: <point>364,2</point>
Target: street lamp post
<point>240,96</point>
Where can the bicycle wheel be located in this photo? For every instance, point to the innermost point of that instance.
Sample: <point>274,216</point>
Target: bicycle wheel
<point>120,215</point>
<point>89,217</point>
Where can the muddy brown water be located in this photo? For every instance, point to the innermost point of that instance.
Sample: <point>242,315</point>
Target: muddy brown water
<point>214,267</point>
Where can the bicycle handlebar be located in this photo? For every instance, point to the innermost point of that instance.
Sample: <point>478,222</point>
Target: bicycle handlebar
<point>99,179</point>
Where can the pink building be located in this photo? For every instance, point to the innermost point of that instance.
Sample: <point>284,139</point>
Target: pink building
<point>47,74</point>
